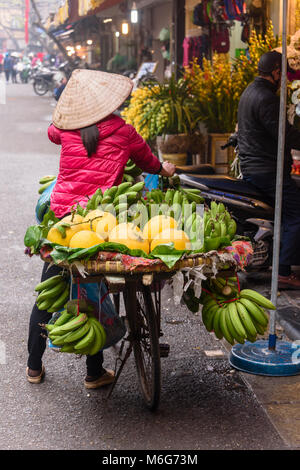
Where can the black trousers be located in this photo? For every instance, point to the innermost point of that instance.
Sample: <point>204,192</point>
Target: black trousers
<point>37,343</point>
<point>290,216</point>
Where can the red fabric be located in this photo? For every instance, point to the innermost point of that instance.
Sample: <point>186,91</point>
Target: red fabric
<point>80,176</point>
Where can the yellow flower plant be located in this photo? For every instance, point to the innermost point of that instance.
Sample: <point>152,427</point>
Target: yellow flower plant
<point>218,85</point>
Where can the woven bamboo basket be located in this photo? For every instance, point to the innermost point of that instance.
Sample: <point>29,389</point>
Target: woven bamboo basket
<point>94,266</point>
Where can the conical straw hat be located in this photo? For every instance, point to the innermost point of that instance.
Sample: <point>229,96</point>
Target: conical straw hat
<point>90,96</point>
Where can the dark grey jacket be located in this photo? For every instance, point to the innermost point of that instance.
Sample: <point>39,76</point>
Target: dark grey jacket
<point>258,121</point>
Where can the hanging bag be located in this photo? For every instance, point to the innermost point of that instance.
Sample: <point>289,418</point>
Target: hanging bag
<point>220,39</point>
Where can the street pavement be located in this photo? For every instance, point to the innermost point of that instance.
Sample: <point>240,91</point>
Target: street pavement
<point>205,404</point>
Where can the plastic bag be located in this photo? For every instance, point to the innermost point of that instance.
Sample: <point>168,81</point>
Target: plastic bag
<point>97,295</point>
<point>43,203</point>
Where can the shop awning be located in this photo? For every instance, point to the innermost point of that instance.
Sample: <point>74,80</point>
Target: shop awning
<point>104,6</point>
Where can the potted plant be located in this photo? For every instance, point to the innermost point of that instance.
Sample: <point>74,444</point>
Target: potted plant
<point>217,87</point>
<point>166,112</point>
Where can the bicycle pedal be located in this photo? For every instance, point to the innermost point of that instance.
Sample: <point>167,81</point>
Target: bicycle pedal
<point>164,349</point>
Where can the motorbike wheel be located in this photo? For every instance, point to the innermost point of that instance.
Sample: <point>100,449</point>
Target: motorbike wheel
<point>40,86</point>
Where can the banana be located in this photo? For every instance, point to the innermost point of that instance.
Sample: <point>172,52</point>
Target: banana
<point>47,179</point>
<point>44,304</point>
<point>54,292</point>
<point>99,331</point>
<point>68,348</point>
<point>126,198</point>
<point>252,339</point>
<point>71,325</point>
<point>224,327</point>
<point>60,301</point>
<point>127,178</point>
<point>232,330</point>
<point>122,188</point>
<point>86,340</point>
<point>106,200</point>
<point>111,191</point>
<point>138,187</point>
<point>58,340</point>
<point>246,319</point>
<point>223,229</point>
<point>257,298</point>
<point>49,326</point>
<point>221,208</point>
<point>213,208</point>
<point>216,324</point>
<point>192,197</point>
<point>63,318</point>
<point>259,328</point>
<point>191,190</point>
<point>44,186</point>
<point>48,283</point>
<point>235,320</point>
<point>255,312</point>
<point>209,317</point>
<point>177,199</point>
<point>77,334</point>
<point>231,228</point>
<point>189,221</point>
<point>169,196</point>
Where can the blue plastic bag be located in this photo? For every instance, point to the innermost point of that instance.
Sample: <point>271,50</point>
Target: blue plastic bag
<point>151,181</point>
<point>43,203</point>
<point>97,295</point>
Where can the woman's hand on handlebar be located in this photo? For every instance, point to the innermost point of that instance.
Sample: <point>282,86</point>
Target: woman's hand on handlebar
<point>168,169</point>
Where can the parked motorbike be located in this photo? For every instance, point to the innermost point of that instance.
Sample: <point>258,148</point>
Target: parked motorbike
<point>250,208</point>
<point>48,78</point>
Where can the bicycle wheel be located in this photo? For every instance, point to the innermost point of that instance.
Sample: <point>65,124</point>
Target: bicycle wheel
<point>146,349</point>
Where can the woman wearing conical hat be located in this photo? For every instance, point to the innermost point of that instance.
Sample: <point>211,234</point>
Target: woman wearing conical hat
<point>95,147</point>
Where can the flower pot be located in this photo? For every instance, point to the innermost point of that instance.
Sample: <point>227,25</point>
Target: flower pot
<point>218,157</point>
<point>174,147</point>
<point>177,159</point>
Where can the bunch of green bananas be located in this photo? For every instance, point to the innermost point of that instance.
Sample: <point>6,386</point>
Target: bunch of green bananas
<point>45,181</point>
<point>237,319</point>
<point>79,334</point>
<point>117,198</point>
<point>219,226</point>
<point>174,202</point>
<point>54,292</point>
<point>131,171</point>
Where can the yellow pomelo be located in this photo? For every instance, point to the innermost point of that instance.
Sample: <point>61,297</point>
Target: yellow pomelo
<point>157,224</point>
<point>55,236</point>
<point>178,237</point>
<point>68,219</point>
<point>93,216</point>
<point>106,224</point>
<point>130,236</point>
<point>124,230</point>
<point>85,239</point>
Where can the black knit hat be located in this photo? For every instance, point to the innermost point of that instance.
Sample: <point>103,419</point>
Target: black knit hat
<point>269,61</point>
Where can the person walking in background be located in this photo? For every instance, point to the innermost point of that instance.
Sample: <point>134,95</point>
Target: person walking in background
<point>14,69</point>
<point>1,62</point>
<point>7,66</point>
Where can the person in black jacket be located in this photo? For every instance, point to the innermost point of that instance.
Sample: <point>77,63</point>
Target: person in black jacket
<point>258,123</point>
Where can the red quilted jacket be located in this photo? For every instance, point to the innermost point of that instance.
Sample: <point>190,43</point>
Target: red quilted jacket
<point>80,176</point>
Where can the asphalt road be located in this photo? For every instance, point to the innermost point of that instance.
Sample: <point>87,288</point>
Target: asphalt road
<point>204,403</point>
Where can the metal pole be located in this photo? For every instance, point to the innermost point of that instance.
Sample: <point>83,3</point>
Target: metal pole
<point>279,178</point>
